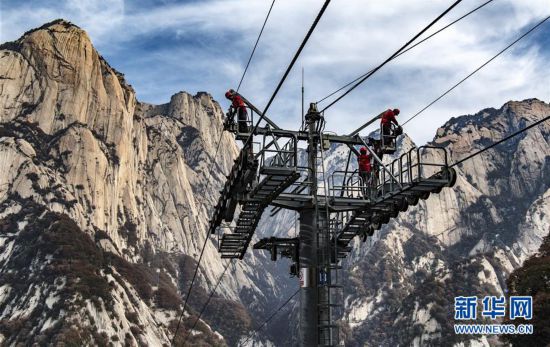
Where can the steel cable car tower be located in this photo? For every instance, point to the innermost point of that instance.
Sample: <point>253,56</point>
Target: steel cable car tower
<point>333,208</point>
<point>331,213</point>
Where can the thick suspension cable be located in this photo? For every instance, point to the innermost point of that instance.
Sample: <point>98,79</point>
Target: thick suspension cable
<point>289,68</point>
<point>207,301</point>
<point>255,45</point>
<point>476,70</point>
<point>269,318</point>
<point>358,83</point>
<point>200,256</point>
<point>408,49</point>
<point>502,140</point>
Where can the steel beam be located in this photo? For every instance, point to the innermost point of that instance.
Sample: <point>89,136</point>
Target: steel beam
<point>255,109</point>
<point>356,131</point>
<point>303,136</point>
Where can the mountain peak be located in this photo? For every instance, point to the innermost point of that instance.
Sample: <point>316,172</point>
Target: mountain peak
<point>62,57</point>
<point>56,26</point>
<point>488,117</point>
<point>53,31</point>
<point>60,22</point>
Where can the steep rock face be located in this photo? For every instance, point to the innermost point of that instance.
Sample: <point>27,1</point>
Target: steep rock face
<point>134,182</point>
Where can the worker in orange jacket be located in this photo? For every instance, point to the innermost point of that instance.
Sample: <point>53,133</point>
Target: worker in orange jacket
<point>365,168</point>
<point>237,106</point>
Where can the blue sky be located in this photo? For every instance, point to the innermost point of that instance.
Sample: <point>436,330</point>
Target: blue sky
<point>165,46</point>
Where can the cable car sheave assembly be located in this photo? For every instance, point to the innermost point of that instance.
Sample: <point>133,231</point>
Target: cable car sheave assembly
<point>333,208</point>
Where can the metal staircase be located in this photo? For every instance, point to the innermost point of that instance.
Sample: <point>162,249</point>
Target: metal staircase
<point>278,170</point>
<point>238,181</point>
<point>275,181</point>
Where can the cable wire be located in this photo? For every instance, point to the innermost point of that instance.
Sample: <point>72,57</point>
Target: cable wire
<point>269,318</point>
<point>408,49</point>
<point>296,55</point>
<point>392,56</point>
<point>476,70</point>
<point>255,45</point>
<point>502,140</point>
<point>204,246</point>
<point>201,254</point>
<point>207,301</point>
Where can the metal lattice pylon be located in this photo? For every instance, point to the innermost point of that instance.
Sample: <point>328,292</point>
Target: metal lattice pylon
<point>331,213</point>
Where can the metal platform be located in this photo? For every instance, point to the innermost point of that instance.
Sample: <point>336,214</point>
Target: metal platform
<point>409,179</point>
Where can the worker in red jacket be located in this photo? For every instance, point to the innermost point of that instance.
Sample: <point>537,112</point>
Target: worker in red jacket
<point>388,118</point>
<point>365,168</point>
<point>237,106</point>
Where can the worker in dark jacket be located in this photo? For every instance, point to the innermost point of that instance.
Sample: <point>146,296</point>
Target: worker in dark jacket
<point>238,106</point>
<point>388,118</point>
<point>365,168</point>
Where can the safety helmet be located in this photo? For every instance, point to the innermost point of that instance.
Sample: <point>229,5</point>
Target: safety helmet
<point>396,111</point>
<point>228,94</point>
<point>363,150</point>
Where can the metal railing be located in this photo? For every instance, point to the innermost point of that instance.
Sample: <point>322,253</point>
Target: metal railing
<point>234,126</point>
<point>349,185</point>
<point>386,140</point>
<point>423,167</point>
<point>275,155</point>
<point>409,168</point>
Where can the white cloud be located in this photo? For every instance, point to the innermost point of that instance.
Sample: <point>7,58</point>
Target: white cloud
<point>100,18</point>
<point>351,38</point>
